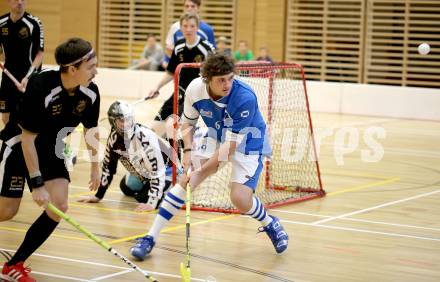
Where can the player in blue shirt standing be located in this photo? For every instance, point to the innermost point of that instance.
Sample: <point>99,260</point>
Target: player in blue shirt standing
<point>230,110</point>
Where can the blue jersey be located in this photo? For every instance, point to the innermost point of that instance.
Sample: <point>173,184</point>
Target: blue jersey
<point>235,117</point>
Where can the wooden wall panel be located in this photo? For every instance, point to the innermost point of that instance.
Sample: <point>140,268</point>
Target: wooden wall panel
<point>220,14</point>
<point>395,29</point>
<point>4,8</point>
<point>269,27</point>
<point>326,37</point>
<point>123,27</point>
<point>80,18</point>
<point>245,21</point>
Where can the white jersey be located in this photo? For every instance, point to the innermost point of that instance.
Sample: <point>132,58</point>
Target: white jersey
<point>144,156</point>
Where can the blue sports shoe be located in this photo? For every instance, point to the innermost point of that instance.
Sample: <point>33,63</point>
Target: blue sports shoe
<point>143,247</point>
<point>277,235</point>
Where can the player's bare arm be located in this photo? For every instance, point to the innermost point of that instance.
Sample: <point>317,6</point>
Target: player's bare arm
<point>39,192</point>
<point>91,136</point>
<point>36,63</point>
<point>187,136</point>
<point>223,153</point>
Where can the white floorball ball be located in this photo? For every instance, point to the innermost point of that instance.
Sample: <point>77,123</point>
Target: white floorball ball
<point>424,48</point>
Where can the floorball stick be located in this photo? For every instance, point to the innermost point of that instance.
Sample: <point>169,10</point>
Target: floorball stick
<point>133,104</point>
<point>11,76</point>
<point>100,242</point>
<point>185,270</point>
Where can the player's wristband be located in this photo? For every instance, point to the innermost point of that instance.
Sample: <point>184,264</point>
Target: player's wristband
<point>187,150</point>
<point>34,174</point>
<point>30,71</point>
<point>37,182</point>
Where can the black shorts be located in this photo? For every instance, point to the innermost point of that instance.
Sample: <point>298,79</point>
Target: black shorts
<point>9,96</point>
<point>167,108</point>
<point>51,160</point>
<point>13,171</point>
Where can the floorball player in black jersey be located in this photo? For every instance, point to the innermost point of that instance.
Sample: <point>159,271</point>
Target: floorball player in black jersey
<point>191,49</point>
<point>22,41</point>
<point>56,102</point>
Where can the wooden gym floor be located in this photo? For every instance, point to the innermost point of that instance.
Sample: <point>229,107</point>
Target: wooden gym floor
<point>380,221</point>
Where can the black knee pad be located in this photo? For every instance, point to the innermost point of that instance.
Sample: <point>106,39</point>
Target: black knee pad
<point>125,189</point>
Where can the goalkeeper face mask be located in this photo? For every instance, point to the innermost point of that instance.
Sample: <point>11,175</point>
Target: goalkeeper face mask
<point>121,118</point>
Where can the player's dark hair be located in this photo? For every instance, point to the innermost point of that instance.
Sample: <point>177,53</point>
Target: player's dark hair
<point>215,65</point>
<point>73,52</point>
<point>197,2</point>
<point>188,16</point>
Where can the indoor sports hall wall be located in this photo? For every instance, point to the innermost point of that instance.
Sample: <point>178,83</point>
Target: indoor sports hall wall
<point>365,41</point>
<point>348,41</point>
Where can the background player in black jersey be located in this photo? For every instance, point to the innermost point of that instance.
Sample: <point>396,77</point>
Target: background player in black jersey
<point>141,152</point>
<point>22,40</point>
<point>55,102</point>
<point>206,32</point>
<point>191,49</point>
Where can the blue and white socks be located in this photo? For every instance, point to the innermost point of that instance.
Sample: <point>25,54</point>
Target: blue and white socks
<point>258,212</point>
<point>172,203</point>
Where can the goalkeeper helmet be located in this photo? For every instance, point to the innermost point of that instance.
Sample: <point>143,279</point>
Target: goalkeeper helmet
<point>121,117</point>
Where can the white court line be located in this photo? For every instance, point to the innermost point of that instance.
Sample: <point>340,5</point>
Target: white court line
<point>151,273</point>
<point>363,230</point>
<point>360,220</point>
<point>61,276</point>
<point>95,264</point>
<point>300,213</point>
<point>375,207</point>
<point>112,275</point>
<point>392,224</point>
<point>71,260</point>
<point>56,276</point>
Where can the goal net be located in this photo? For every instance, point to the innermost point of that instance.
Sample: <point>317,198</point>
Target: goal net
<point>291,174</point>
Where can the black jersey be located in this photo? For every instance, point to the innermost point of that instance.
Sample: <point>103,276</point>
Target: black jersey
<point>21,42</point>
<point>184,54</point>
<point>49,110</point>
<point>144,156</point>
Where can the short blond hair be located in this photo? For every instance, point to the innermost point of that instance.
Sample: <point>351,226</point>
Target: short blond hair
<point>188,16</point>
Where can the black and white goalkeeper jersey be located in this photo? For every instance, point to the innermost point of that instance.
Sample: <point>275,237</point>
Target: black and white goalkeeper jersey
<point>144,156</point>
<point>20,42</point>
